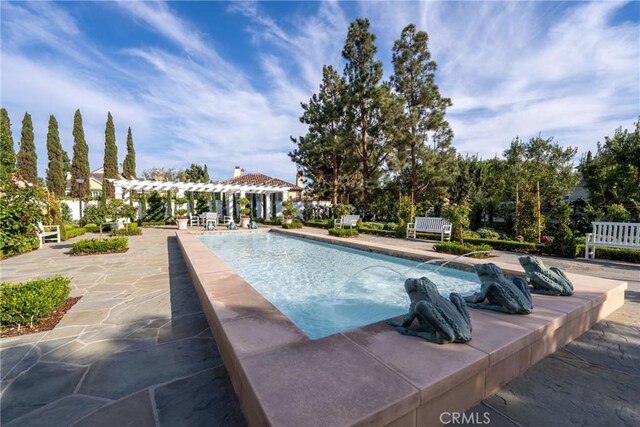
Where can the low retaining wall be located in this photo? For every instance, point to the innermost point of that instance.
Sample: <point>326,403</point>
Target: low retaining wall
<point>373,375</point>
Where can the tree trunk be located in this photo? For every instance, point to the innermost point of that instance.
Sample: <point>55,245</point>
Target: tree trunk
<point>414,176</point>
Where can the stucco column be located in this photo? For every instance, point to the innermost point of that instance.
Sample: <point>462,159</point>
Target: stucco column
<point>229,197</point>
<point>269,213</point>
<point>117,192</point>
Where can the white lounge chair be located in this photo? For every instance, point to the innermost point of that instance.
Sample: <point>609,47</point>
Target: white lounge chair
<point>210,218</point>
<point>346,221</point>
<point>48,232</point>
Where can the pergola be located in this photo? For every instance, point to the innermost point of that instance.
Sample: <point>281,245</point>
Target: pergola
<point>123,188</point>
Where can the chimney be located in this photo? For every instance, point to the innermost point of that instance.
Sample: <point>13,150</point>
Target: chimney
<point>299,180</point>
<point>237,172</point>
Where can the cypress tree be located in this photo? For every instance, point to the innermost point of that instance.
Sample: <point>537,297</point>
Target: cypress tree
<point>55,170</point>
<point>27,162</point>
<point>110,158</point>
<point>205,176</point>
<point>129,165</point>
<point>80,163</point>
<point>7,154</point>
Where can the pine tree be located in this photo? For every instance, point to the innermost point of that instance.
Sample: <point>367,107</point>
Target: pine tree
<point>424,110</point>
<point>80,164</point>
<point>7,153</point>
<point>365,99</point>
<point>129,165</point>
<point>55,170</point>
<point>110,158</point>
<point>27,159</point>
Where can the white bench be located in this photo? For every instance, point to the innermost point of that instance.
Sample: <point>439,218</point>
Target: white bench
<point>430,225</point>
<point>346,221</point>
<point>625,235</point>
<point>48,232</point>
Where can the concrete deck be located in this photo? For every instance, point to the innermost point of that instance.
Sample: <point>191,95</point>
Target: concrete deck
<point>137,350</point>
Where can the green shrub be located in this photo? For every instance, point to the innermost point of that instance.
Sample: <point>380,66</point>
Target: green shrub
<point>68,232</point>
<point>343,232</point>
<point>509,245</point>
<point>130,229</point>
<point>294,224</point>
<point>20,211</point>
<point>93,228</point>
<point>458,216</point>
<point>376,231</point>
<point>460,249</point>
<point>100,246</point>
<point>564,243</point>
<point>373,225</point>
<point>617,213</point>
<point>23,304</point>
<point>614,254</point>
<point>391,226</point>
<point>488,233</point>
<point>319,223</point>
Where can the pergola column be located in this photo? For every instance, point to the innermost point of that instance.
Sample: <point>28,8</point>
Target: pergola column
<point>269,214</point>
<point>229,197</point>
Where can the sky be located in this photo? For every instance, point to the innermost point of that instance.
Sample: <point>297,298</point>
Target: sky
<point>221,83</point>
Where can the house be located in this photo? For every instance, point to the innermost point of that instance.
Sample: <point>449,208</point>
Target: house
<point>95,183</point>
<point>241,178</point>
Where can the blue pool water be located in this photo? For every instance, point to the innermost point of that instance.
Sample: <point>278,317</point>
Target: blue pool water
<point>323,288</point>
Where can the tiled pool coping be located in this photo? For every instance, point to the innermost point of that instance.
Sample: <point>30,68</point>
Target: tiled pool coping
<point>373,375</point>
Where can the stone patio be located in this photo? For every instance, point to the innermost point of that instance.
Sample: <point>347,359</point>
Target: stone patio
<point>136,350</point>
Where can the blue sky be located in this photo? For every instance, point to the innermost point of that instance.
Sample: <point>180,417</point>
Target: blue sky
<point>221,83</point>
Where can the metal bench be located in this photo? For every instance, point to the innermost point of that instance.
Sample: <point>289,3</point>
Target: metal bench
<point>625,235</point>
<point>430,225</point>
<point>346,221</point>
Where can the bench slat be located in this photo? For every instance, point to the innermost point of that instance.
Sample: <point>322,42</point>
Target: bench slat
<point>613,234</point>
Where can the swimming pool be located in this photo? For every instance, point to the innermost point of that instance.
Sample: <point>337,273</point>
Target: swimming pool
<point>324,288</point>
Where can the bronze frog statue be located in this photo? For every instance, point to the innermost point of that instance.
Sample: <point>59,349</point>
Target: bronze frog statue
<point>503,295</point>
<point>441,320</point>
<point>545,280</point>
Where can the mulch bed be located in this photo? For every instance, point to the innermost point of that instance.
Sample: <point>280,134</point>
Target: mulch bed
<point>45,324</point>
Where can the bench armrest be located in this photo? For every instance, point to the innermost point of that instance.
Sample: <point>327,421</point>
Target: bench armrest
<point>337,222</point>
<point>446,228</point>
<point>588,237</point>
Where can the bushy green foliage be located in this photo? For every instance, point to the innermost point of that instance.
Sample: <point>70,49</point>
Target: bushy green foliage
<point>376,231</point>
<point>93,228</point>
<point>7,152</point>
<point>294,224</point>
<point>458,216</point>
<point>80,161</point>
<point>341,210</point>
<point>68,232</point>
<point>110,165</point>
<point>20,210</point>
<point>564,243</point>
<point>288,209</point>
<point>130,229</point>
<point>406,213</point>
<point>27,159</point>
<point>617,213</point>
<point>614,254</point>
<point>488,233</point>
<point>155,208</point>
<point>100,246</point>
<point>373,225</point>
<point>129,164</point>
<point>462,249</point>
<point>319,223</point>
<point>508,245</point>
<point>55,167</point>
<point>343,232</point>
<point>23,304</point>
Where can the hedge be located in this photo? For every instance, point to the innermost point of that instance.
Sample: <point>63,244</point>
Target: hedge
<point>69,232</point>
<point>294,224</point>
<point>343,232</point>
<point>614,254</point>
<point>376,231</point>
<point>100,246</point>
<point>93,228</point>
<point>131,229</point>
<point>319,223</point>
<point>23,304</point>
<point>458,249</point>
<point>509,245</point>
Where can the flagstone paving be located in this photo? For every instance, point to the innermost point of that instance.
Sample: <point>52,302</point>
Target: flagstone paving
<point>137,350</point>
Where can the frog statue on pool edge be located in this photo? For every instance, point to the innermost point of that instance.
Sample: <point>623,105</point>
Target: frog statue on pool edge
<point>507,296</point>
<point>441,320</point>
<point>544,280</point>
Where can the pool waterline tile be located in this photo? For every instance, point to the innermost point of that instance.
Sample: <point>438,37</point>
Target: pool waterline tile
<point>471,371</point>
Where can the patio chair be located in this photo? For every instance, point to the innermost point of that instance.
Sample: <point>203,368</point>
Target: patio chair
<point>210,218</point>
<point>48,232</point>
<point>194,220</point>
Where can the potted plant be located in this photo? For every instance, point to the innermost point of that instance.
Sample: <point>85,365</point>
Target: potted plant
<point>182,219</point>
<point>245,212</point>
<point>288,211</point>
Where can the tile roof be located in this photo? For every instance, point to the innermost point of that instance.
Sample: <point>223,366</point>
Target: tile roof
<point>259,179</point>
